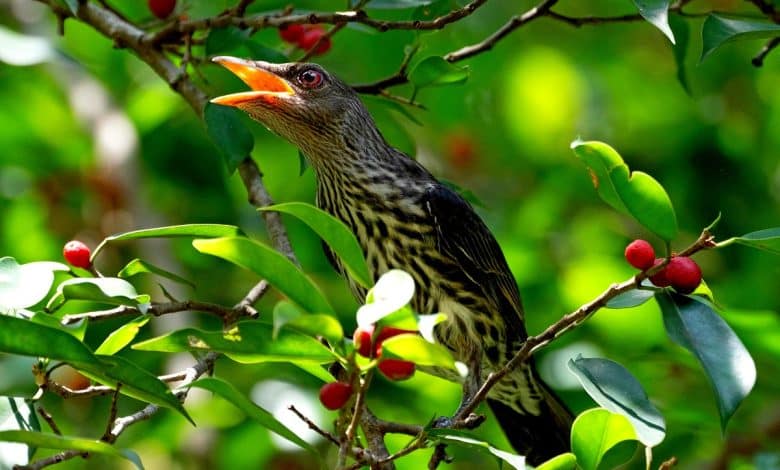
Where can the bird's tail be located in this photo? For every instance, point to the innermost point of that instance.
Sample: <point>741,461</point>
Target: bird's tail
<point>537,437</point>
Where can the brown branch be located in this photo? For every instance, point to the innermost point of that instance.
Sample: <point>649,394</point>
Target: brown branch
<point>758,60</point>
<point>313,426</point>
<point>49,420</point>
<point>52,460</point>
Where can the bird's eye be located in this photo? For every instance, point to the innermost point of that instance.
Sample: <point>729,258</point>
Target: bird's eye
<point>310,78</point>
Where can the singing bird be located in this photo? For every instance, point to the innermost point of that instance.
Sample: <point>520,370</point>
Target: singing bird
<point>405,219</point>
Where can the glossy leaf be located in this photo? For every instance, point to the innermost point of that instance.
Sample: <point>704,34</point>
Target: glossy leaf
<point>222,40</point>
<point>229,133</point>
<point>22,286</point>
<point>395,4</point>
<point>138,266</point>
<point>427,323</point>
<point>435,71</point>
<point>767,240</point>
<point>616,389</point>
<point>26,338</point>
<point>16,413</point>
<point>55,441</point>
<point>248,342</point>
<point>414,348</point>
<point>631,298</point>
<point>634,193</point>
<point>266,419</point>
<point>595,432</point>
<point>464,439</point>
<point>335,233</point>
<point>122,336</point>
<point>271,265</point>
<point>77,329</point>
<point>567,461</point>
<point>109,290</point>
<point>694,325</point>
<point>682,34</point>
<point>656,12</point>
<point>174,231</point>
<point>260,52</point>
<point>718,30</point>
<point>287,315</point>
<point>392,291</point>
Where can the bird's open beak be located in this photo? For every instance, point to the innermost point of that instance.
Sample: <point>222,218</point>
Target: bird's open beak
<point>264,83</point>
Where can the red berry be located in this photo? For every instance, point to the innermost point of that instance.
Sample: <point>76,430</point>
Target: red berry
<point>659,279</point>
<point>311,37</point>
<point>77,254</point>
<point>335,395</point>
<point>161,8</point>
<point>640,254</point>
<point>362,339</point>
<point>396,369</point>
<point>292,33</point>
<point>384,333</point>
<point>683,274</point>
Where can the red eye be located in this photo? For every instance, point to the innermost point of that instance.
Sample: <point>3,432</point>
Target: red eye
<point>310,78</point>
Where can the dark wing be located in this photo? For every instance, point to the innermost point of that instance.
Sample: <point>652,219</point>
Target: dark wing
<point>463,236</point>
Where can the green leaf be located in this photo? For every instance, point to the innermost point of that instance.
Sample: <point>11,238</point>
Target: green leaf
<point>260,52</point>
<point>426,324</point>
<point>335,233</point>
<point>138,266</point>
<point>174,231</point>
<point>266,419</point>
<point>414,348</point>
<point>392,291</point>
<point>391,105</point>
<point>288,315</point>
<point>435,71</point>
<point>109,290</point>
<point>271,265</point>
<point>122,336</point>
<point>16,413</point>
<point>682,32</point>
<point>567,461</point>
<point>248,342</point>
<point>656,12</point>
<point>767,240</point>
<point>395,4</point>
<point>55,441</point>
<point>77,329</point>
<point>718,30</point>
<point>595,432</point>
<point>229,133</point>
<point>631,298</point>
<point>694,325</point>
<point>26,338</point>
<point>303,164</point>
<point>222,40</point>
<point>463,439</point>
<point>22,286</point>
<point>634,193</point>
<point>617,390</point>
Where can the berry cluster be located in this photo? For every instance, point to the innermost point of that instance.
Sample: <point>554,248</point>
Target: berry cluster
<point>681,273</point>
<point>335,395</point>
<point>306,36</point>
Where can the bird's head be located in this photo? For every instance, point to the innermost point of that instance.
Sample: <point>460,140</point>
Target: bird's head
<point>301,102</point>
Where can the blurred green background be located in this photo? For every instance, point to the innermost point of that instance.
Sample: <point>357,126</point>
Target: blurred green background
<point>93,143</point>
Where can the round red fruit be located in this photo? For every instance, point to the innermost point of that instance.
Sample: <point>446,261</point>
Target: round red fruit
<point>396,369</point>
<point>660,279</point>
<point>640,254</point>
<point>292,33</point>
<point>362,339</point>
<point>335,395</point>
<point>683,274</point>
<point>310,38</point>
<point>384,333</point>
<point>161,8</point>
<point>77,254</point>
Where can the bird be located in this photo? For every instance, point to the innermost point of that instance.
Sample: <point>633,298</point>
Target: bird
<point>404,218</point>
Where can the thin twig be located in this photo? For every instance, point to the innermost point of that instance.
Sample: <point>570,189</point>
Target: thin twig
<point>313,426</point>
<point>49,420</point>
<point>758,60</point>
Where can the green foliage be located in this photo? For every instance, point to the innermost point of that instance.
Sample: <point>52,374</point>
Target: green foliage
<point>56,441</point>
<point>694,325</point>
<point>656,12</point>
<point>137,266</point>
<point>718,30</point>
<point>229,133</point>
<point>767,240</point>
<point>107,290</point>
<point>634,193</point>
<point>595,433</point>
<point>462,439</point>
<point>22,286</point>
<point>435,71</point>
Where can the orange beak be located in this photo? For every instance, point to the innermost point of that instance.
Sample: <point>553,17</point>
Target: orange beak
<point>265,84</point>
